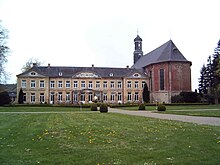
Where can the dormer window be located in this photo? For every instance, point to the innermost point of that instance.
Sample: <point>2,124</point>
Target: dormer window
<point>60,73</point>
<point>33,73</point>
<point>111,74</point>
<point>136,75</point>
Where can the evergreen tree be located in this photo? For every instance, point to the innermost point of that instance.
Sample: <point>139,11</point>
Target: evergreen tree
<point>21,97</point>
<point>146,94</point>
<point>203,81</point>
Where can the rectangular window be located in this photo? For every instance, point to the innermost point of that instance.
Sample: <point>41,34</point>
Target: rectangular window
<point>52,84</point>
<point>97,84</point>
<point>42,100</point>
<point>112,97</point>
<point>82,96</point>
<point>51,97</point>
<point>161,79</point>
<point>136,84</point>
<point>33,83</point>
<point>143,84</point>
<point>83,84</point>
<point>32,97</point>
<point>105,98</point>
<point>24,97</point>
<point>75,97</point>
<point>129,96</point>
<point>90,96</point>
<point>42,84</point>
<point>90,84</point>
<point>112,84</point>
<point>60,97</point>
<point>23,83</point>
<point>136,96</point>
<point>105,84</point>
<point>67,84</point>
<point>129,84</point>
<point>119,84</point>
<point>75,84</point>
<point>60,84</point>
<point>67,97</point>
<point>119,96</point>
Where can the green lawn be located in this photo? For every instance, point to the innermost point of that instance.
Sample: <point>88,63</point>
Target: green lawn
<point>103,138</point>
<point>193,110</point>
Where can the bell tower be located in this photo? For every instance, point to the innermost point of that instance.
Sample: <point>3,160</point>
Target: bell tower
<point>138,53</point>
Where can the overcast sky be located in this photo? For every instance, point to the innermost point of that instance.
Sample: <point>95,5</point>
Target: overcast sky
<point>101,32</point>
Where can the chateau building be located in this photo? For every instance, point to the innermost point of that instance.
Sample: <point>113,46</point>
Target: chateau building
<point>165,70</point>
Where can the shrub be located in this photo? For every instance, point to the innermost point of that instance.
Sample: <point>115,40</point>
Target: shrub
<point>4,98</point>
<point>141,107</point>
<point>161,107</point>
<point>103,108</point>
<point>93,107</point>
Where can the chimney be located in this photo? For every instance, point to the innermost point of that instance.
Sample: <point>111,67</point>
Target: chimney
<point>34,64</point>
<point>48,66</point>
<point>92,66</point>
<point>127,66</point>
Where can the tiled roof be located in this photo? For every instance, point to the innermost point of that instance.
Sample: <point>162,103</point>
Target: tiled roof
<point>55,71</point>
<point>165,53</point>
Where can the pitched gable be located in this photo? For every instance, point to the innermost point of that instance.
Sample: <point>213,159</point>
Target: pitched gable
<point>165,53</point>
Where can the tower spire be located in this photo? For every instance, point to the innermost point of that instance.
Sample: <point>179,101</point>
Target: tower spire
<point>138,53</point>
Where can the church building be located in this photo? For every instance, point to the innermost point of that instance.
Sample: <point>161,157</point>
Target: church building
<point>165,71</point>
<point>169,72</point>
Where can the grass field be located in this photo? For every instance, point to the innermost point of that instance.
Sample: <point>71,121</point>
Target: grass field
<point>193,110</point>
<point>85,137</point>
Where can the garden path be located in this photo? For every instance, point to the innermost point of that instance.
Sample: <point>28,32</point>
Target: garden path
<point>214,121</point>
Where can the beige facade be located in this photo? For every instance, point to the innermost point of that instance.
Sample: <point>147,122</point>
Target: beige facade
<point>84,87</point>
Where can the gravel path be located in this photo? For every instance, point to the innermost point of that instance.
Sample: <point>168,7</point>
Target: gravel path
<point>215,121</point>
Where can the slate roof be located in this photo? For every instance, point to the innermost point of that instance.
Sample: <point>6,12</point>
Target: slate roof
<point>138,38</point>
<point>54,71</point>
<point>165,53</point>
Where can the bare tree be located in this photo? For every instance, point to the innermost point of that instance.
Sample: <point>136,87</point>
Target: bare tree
<point>30,63</point>
<point>4,51</point>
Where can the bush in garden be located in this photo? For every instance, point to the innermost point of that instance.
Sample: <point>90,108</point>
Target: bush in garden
<point>161,107</point>
<point>141,107</point>
<point>93,107</point>
<point>103,108</point>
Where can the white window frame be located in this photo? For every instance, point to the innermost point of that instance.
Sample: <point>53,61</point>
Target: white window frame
<point>23,83</point>
<point>42,84</point>
<point>33,98</point>
<point>112,97</point>
<point>97,84</point>
<point>129,96</point>
<point>60,97</point>
<point>33,84</point>
<point>90,84</point>
<point>67,84</point>
<point>105,97</point>
<point>60,84</point>
<point>129,84</point>
<point>136,96</point>
<point>119,96</point>
<point>75,84</point>
<point>42,98</point>
<point>52,84</point>
<point>119,84</point>
<point>67,97</point>
<point>112,84</point>
<point>105,84</point>
<point>83,84</point>
<point>136,84</point>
